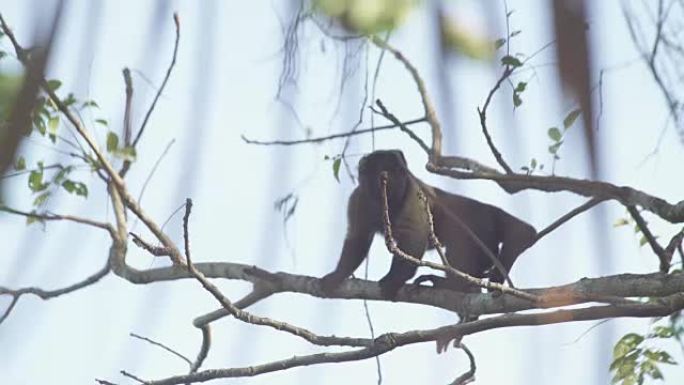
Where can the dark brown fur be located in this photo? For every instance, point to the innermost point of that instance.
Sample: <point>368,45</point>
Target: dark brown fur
<point>503,234</point>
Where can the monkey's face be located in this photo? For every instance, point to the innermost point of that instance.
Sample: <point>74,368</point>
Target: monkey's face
<point>391,161</point>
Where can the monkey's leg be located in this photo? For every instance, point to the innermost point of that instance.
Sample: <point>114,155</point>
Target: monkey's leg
<point>413,242</point>
<point>517,237</point>
<point>354,251</point>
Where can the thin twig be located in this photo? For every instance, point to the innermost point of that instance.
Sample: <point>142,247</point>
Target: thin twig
<point>329,137</point>
<point>159,344</point>
<point>389,116</point>
<point>655,246</point>
<point>428,108</point>
<point>482,112</point>
<point>49,294</point>
<point>176,21</point>
<point>57,217</point>
<point>571,214</point>
<point>157,251</point>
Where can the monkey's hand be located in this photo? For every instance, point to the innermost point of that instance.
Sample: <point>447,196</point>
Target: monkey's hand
<point>330,282</point>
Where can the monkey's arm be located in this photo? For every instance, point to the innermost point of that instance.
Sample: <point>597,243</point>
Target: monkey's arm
<point>360,231</point>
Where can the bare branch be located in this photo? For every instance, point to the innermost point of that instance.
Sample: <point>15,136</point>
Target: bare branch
<point>159,344</point>
<point>655,246</point>
<point>49,294</point>
<point>256,320</point>
<point>673,213</point>
<point>176,21</point>
<point>390,341</point>
<point>57,217</point>
<point>157,251</point>
<point>204,349</point>
<point>430,114</point>
<point>571,214</point>
<point>330,137</point>
<point>483,119</point>
<point>389,116</point>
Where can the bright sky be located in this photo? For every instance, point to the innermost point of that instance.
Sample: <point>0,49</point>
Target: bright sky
<point>224,85</point>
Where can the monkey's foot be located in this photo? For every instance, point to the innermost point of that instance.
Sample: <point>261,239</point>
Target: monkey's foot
<point>437,281</point>
<point>329,283</point>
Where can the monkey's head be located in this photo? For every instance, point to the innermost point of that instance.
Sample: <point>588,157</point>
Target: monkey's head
<point>391,161</point>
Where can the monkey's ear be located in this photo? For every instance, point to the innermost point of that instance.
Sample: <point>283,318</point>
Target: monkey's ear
<point>400,157</point>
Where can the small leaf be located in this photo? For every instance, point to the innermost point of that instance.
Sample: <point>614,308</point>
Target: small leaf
<point>517,101</point>
<point>533,163</point>
<point>41,199</point>
<point>511,61</point>
<point>555,134</point>
<point>553,149</point>
<point>621,222</point>
<point>20,164</point>
<point>35,181</point>
<point>520,87</point>
<point>69,100</point>
<point>643,240</point>
<point>90,103</point>
<point>336,168</point>
<point>102,122</point>
<point>32,219</point>
<point>498,43</point>
<point>571,117</point>
<point>53,84</point>
<point>112,142</point>
<point>126,153</point>
<point>515,33</point>
<point>78,188</point>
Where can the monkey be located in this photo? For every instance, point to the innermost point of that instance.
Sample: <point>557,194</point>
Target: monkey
<point>463,225</point>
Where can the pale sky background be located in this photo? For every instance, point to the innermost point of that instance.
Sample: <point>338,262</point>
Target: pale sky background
<point>224,85</point>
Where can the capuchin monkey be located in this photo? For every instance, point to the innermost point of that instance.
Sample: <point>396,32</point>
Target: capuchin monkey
<point>463,225</point>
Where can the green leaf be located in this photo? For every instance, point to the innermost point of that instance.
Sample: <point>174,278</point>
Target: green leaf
<point>53,84</point>
<point>336,168</point>
<point>89,103</point>
<point>511,61</point>
<point>643,240</point>
<point>553,149</point>
<point>20,164</point>
<point>662,332</point>
<point>533,163</point>
<point>571,117</point>
<point>555,134</point>
<point>62,174</point>
<point>126,153</point>
<point>35,181</point>
<point>102,122</point>
<point>39,123</point>
<point>520,87</point>
<point>32,219</point>
<point>112,142</point>
<point>626,344</point>
<point>498,43</point>
<point>69,100</point>
<point>41,199</point>
<point>515,33</point>
<point>517,101</point>
<point>621,222</point>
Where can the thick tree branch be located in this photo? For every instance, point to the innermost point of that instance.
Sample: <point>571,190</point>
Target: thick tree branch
<point>390,341</point>
<point>673,213</point>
